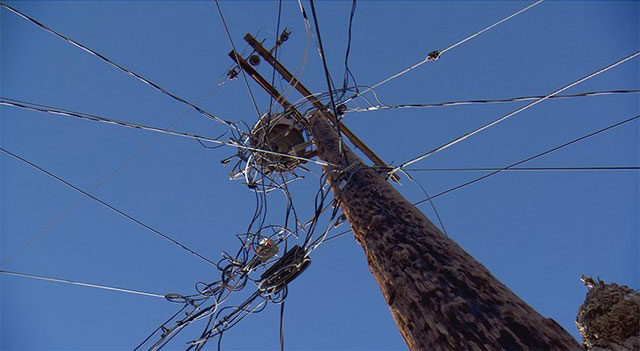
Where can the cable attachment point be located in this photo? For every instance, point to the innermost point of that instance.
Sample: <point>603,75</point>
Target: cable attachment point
<point>232,73</point>
<point>177,298</point>
<point>434,55</point>
<point>284,270</point>
<point>341,219</point>
<point>284,36</point>
<point>347,172</point>
<point>266,250</point>
<point>341,109</point>
<point>254,60</point>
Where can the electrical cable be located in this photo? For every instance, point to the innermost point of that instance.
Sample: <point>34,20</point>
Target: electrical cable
<point>493,101</point>
<point>53,222</point>
<point>73,282</point>
<point>430,58</point>
<point>529,159</point>
<point>275,54</point>
<point>116,65</point>
<point>347,71</point>
<point>282,326</point>
<point>324,64</point>
<point>433,206</point>
<point>491,26</point>
<point>90,117</point>
<point>537,101</point>
<point>476,169</point>
<point>244,76</point>
<point>122,213</point>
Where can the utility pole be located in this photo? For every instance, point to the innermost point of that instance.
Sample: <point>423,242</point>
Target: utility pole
<point>440,297</point>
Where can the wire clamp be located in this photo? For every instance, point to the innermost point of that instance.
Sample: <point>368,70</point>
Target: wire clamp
<point>434,55</point>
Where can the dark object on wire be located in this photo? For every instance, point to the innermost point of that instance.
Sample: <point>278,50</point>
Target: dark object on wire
<point>434,55</point>
<point>285,270</point>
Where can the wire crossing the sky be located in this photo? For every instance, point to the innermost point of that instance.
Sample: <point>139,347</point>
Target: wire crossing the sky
<point>129,217</point>
<point>244,76</point>
<point>73,282</point>
<point>429,57</point>
<point>511,166</point>
<point>492,101</point>
<point>474,169</point>
<point>52,110</point>
<point>490,124</point>
<point>118,66</point>
<point>70,208</point>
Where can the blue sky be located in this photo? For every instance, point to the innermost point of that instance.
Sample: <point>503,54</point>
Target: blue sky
<point>535,231</point>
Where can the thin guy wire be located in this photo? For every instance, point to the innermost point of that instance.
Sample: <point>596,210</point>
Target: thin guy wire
<point>426,59</point>
<point>166,237</point>
<point>73,282</point>
<point>94,118</point>
<point>492,101</point>
<point>488,125</point>
<point>116,65</point>
<point>529,159</point>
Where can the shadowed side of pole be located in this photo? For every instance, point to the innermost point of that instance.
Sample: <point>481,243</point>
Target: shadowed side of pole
<point>440,297</point>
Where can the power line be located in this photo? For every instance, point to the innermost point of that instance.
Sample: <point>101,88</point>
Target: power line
<point>73,282</point>
<point>336,235</point>
<point>510,114</point>
<point>438,54</point>
<point>275,53</point>
<point>155,231</point>
<point>95,118</point>
<point>491,101</point>
<point>244,76</point>
<point>327,74</point>
<point>347,71</point>
<point>511,166</point>
<point>324,62</point>
<point>474,169</point>
<point>50,225</point>
<point>116,65</point>
<point>491,26</point>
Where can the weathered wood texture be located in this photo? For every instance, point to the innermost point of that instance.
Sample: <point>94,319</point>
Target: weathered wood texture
<point>609,318</point>
<point>440,297</point>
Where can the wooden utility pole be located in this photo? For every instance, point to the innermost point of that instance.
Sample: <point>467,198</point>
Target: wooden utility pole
<point>440,297</point>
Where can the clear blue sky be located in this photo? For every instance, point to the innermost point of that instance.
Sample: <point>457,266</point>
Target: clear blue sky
<point>535,231</point>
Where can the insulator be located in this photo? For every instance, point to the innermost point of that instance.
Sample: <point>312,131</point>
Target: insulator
<point>285,34</point>
<point>254,60</point>
<point>232,74</point>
